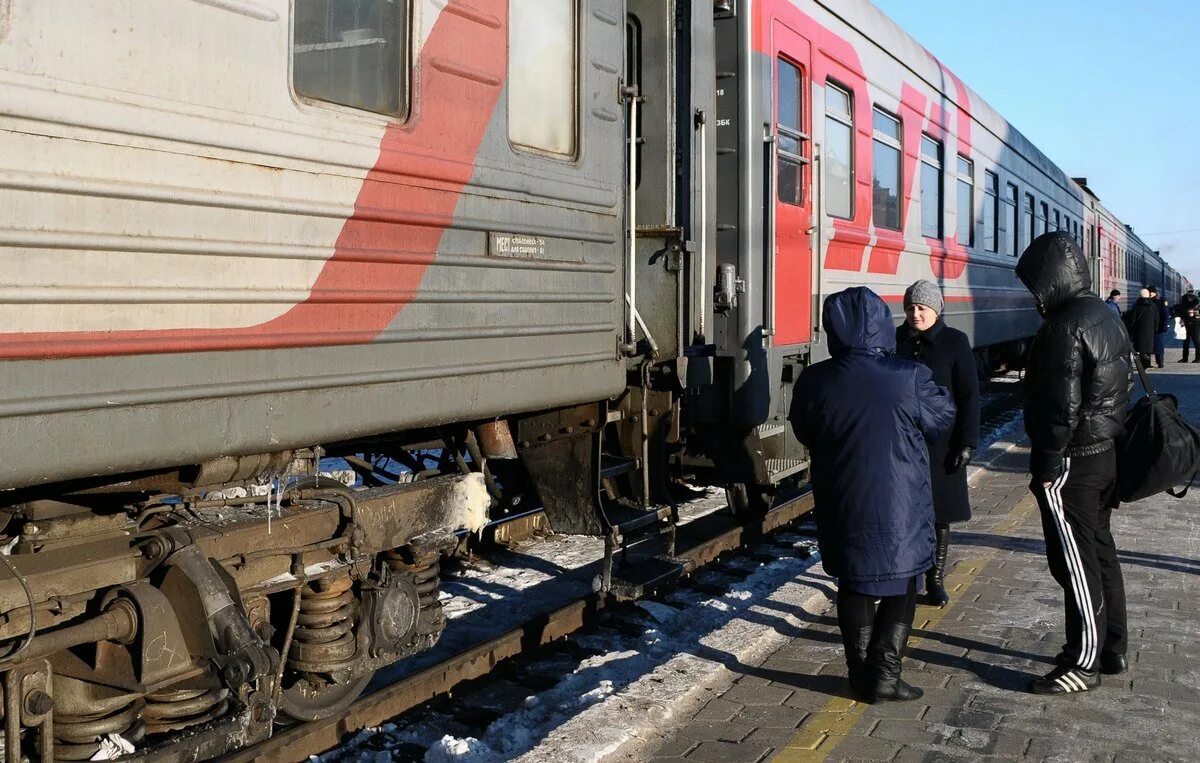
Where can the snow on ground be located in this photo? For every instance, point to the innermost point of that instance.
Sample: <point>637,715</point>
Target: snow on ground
<point>678,648</point>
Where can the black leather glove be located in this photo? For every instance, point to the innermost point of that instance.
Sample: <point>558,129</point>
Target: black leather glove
<point>960,459</point>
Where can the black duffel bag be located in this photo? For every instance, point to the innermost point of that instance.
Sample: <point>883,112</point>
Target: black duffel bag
<point>1160,449</point>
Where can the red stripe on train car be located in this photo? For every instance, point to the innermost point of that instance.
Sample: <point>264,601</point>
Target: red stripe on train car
<point>450,120</point>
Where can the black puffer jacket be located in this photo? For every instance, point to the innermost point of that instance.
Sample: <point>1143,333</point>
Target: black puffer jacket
<point>1077,380</point>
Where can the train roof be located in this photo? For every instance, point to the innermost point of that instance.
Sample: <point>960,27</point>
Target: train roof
<point>893,40</point>
<point>878,28</point>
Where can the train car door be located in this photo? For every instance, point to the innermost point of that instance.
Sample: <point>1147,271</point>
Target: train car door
<point>790,224</point>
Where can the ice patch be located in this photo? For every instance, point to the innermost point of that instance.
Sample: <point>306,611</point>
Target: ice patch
<point>660,612</point>
<point>449,749</point>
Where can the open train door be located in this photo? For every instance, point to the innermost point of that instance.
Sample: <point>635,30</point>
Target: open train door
<point>789,227</point>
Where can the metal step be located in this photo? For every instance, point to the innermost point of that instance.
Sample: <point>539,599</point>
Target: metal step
<point>782,468</point>
<point>770,430</point>
<point>611,466</point>
<point>626,521</point>
<point>648,574</point>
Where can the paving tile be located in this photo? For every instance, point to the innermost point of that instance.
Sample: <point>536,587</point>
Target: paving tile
<point>1002,628</point>
<point>719,709</point>
<point>771,716</point>
<point>905,732</point>
<point>717,731</point>
<point>750,691</point>
<point>864,748</point>
<point>726,752</point>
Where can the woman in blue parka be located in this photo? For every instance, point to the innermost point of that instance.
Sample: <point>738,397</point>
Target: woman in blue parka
<point>864,416</point>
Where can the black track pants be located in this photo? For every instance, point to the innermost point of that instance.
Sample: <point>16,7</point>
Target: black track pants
<point>1191,339</point>
<point>1076,510</point>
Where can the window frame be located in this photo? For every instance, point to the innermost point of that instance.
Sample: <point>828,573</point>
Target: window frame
<point>406,81</point>
<point>896,143</point>
<point>1013,201</point>
<point>939,165</point>
<point>969,181</point>
<point>577,96</point>
<point>848,121</point>
<point>794,133</point>
<point>991,188</point>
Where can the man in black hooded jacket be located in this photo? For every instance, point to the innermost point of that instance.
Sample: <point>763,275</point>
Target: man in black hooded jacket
<point>1077,388</point>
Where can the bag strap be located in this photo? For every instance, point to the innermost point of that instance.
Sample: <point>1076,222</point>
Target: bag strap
<point>1146,385</point>
<point>1171,492</point>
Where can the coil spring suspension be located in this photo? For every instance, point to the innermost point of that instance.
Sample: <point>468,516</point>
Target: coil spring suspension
<point>324,640</point>
<point>424,567</point>
<point>77,737</point>
<point>178,709</point>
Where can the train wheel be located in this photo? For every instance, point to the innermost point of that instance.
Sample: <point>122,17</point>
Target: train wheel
<point>310,700</point>
<point>749,502</point>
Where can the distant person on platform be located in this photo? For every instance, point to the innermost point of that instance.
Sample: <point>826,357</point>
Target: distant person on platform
<point>1114,301</point>
<point>1188,311</point>
<point>1162,328</point>
<point>1077,388</point>
<point>925,338</point>
<point>1142,321</point>
<point>865,417</point>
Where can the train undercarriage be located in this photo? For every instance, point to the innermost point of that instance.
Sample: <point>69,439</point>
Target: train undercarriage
<point>180,614</point>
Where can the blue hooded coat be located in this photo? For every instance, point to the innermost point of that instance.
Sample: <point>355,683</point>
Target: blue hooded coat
<point>865,417</point>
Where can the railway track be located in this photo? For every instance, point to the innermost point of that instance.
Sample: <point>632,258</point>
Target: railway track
<point>376,707</point>
<point>702,541</point>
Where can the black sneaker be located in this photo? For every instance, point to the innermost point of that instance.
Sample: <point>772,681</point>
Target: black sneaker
<point>1113,664</point>
<point>1065,680</point>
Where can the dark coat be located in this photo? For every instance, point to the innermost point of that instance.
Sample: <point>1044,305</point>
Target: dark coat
<point>864,417</point>
<point>947,353</point>
<point>1141,321</point>
<point>1164,316</point>
<point>1188,309</point>
<point>1077,374</point>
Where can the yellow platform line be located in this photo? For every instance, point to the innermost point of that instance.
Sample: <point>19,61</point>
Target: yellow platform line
<point>825,729</point>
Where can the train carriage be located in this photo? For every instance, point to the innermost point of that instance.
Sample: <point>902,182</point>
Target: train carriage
<point>485,254</point>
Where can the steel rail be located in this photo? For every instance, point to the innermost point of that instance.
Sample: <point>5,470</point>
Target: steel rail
<point>299,742</point>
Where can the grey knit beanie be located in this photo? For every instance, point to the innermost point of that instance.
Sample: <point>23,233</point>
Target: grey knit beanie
<point>924,293</point>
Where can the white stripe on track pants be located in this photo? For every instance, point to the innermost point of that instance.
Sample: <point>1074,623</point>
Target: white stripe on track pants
<point>1076,511</point>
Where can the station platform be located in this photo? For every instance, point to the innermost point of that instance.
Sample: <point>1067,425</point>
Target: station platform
<point>975,657</point>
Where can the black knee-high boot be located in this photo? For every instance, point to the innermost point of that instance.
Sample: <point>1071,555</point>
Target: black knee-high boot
<point>856,618</point>
<point>935,579</point>
<point>893,622</point>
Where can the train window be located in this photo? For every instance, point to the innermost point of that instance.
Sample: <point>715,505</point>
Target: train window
<point>839,157</point>
<point>352,53</point>
<point>1010,219</point>
<point>965,209</point>
<point>541,75</point>
<point>886,183</point>
<point>791,137</point>
<point>931,187</point>
<point>1027,223</point>
<point>991,211</point>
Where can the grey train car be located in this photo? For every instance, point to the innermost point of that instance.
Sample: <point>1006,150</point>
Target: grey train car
<point>482,254</point>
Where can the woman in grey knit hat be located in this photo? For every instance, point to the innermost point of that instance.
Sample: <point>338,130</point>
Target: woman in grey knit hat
<point>925,338</point>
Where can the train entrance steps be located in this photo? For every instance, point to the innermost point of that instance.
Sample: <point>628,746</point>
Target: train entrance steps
<point>974,658</point>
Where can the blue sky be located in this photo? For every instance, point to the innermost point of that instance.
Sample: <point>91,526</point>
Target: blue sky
<point>1108,89</point>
